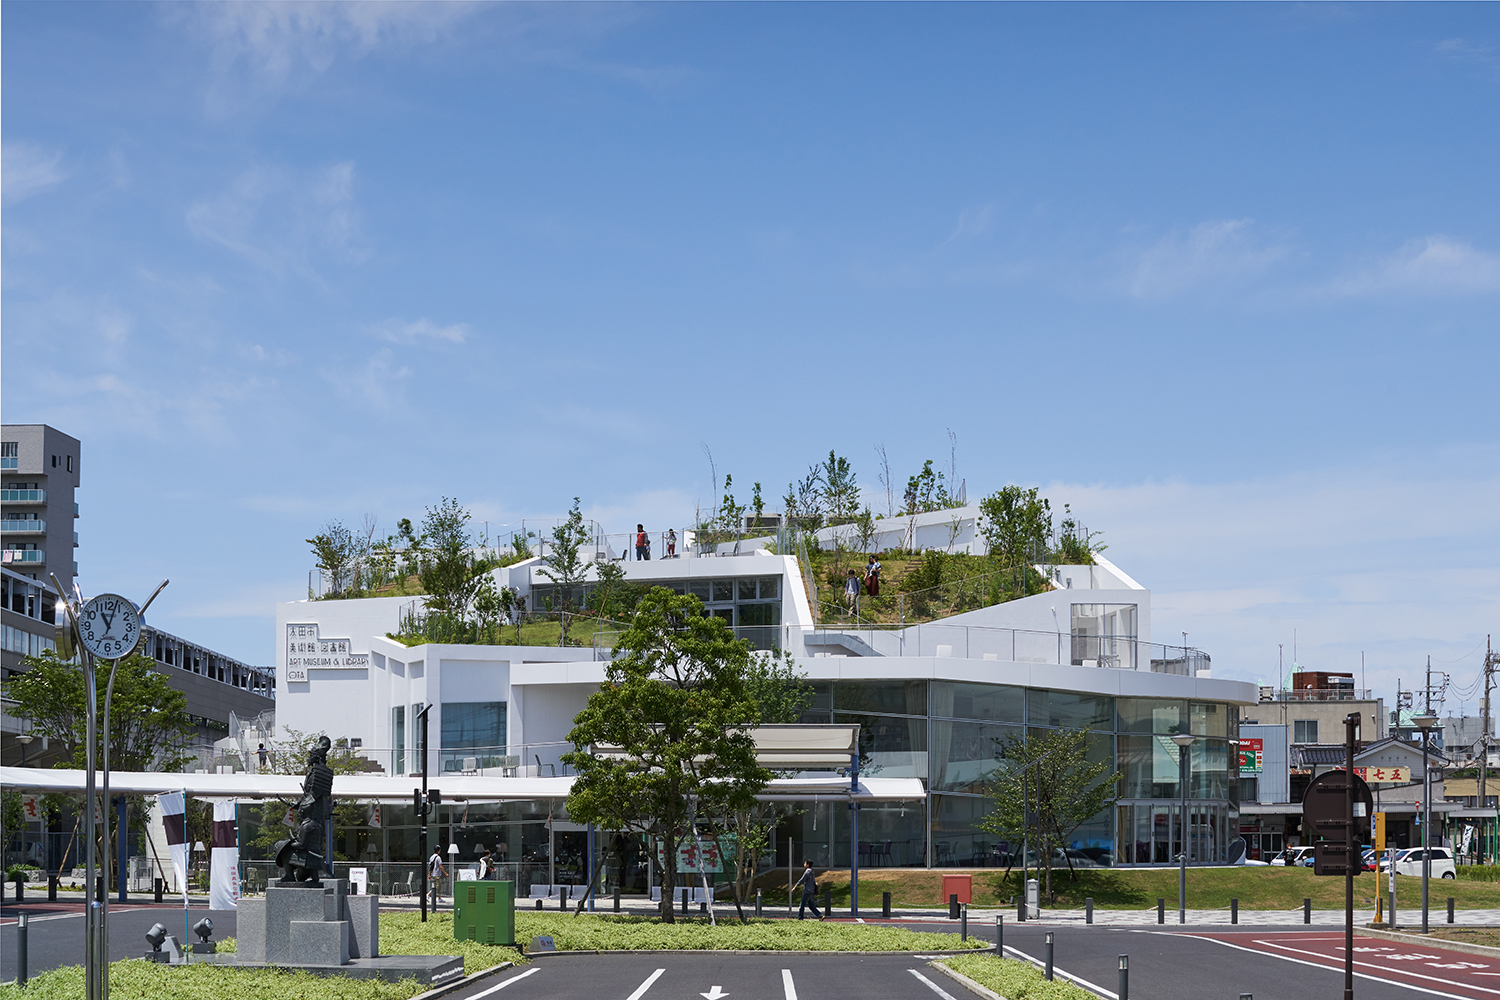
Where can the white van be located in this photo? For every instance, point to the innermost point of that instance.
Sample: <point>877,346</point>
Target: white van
<point>1409,862</point>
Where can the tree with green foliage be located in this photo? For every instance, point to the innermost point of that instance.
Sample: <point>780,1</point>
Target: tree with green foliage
<point>1075,543</point>
<point>840,489</point>
<point>336,555</point>
<point>677,703</point>
<point>148,724</point>
<point>1049,774</point>
<point>288,755</point>
<point>565,566</point>
<point>1017,525</point>
<point>452,575</point>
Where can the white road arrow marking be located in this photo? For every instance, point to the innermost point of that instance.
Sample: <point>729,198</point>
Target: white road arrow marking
<point>714,993</point>
<point>786,984</point>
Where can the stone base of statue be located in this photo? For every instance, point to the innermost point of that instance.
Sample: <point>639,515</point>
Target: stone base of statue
<point>325,930</point>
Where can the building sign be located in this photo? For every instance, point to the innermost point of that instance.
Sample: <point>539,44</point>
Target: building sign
<point>306,650</point>
<point>687,856</point>
<point>1384,773</point>
<point>1250,755</point>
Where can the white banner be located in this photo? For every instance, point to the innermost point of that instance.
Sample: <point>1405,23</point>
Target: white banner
<point>224,859</point>
<point>174,818</point>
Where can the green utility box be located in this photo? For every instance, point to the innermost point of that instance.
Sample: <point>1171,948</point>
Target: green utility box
<point>485,912</point>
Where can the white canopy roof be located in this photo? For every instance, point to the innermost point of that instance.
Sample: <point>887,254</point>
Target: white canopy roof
<point>783,747</point>
<point>388,788</point>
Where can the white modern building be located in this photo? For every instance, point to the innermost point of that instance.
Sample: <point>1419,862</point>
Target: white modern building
<point>930,699</point>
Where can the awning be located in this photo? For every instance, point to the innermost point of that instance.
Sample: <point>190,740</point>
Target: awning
<point>780,747</point>
<point>398,788</point>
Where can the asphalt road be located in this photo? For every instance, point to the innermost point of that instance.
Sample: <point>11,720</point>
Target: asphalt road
<point>55,935</point>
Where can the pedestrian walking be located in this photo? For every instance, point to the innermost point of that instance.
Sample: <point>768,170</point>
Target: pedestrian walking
<point>851,591</point>
<point>486,865</point>
<point>808,883</point>
<point>435,875</point>
<point>642,544</point>
<point>872,576</point>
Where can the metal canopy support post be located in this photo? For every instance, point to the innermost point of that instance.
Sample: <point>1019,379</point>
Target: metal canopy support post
<point>1351,843</point>
<point>423,807</point>
<point>854,834</point>
<point>121,815</point>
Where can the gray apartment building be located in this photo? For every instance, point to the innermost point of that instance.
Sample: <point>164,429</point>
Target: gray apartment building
<point>38,474</point>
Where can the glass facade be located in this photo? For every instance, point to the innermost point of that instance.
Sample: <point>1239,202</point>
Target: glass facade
<point>473,734</point>
<point>947,732</point>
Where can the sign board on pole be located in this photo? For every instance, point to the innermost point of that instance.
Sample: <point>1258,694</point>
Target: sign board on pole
<point>1385,774</point>
<point>1250,755</point>
<point>1379,837</point>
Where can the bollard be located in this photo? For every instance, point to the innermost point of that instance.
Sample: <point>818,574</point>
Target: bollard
<point>827,902</point>
<point>1124,987</point>
<point>685,895</point>
<point>617,897</point>
<point>953,906</point>
<point>757,902</point>
<point>21,950</point>
<point>539,902</point>
<point>1161,910</point>
<point>885,905</point>
<point>51,888</point>
<point>1234,911</point>
<point>562,899</point>
<point>1307,911</point>
<point>1450,909</point>
<point>1049,956</point>
<point>703,906</point>
<point>1088,910</point>
<point>999,936</point>
<point>1021,910</point>
<point>159,887</point>
<point>963,923</point>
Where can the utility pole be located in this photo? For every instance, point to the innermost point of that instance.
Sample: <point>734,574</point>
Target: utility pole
<point>1491,661</point>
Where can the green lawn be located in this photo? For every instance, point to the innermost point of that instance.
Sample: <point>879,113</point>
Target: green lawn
<point>1014,979</point>
<point>606,932</point>
<point>1257,888</point>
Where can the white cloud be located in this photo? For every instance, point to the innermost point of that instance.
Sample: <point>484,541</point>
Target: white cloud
<point>401,332</point>
<point>1212,252</point>
<point>1395,556</point>
<point>972,223</point>
<point>1433,265</point>
<point>27,168</point>
<point>284,220</point>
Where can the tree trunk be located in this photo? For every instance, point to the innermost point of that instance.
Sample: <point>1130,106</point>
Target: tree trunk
<point>668,879</point>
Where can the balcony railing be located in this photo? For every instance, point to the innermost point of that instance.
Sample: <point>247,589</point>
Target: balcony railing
<point>24,527</point>
<point>23,496</point>
<point>10,462</point>
<point>19,557</point>
<point>1324,694</point>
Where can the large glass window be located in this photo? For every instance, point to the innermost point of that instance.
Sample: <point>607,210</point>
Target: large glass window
<point>963,754</point>
<point>986,702</point>
<point>956,839</point>
<point>897,697</point>
<point>1150,765</point>
<point>473,729</point>
<point>1162,716</point>
<point>1067,710</point>
<point>398,739</point>
<point>1104,635</point>
<point>889,746</point>
<point>1209,719</point>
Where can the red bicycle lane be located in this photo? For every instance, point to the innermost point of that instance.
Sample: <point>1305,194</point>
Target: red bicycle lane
<point>1425,967</point>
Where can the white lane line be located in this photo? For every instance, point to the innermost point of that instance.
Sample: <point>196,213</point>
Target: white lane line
<point>1389,970</point>
<point>640,990</point>
<point>1065,975</point>
<point>1327,968</point>
<point>934,987</point>
<point>512,979</point>
<point>786,984</point>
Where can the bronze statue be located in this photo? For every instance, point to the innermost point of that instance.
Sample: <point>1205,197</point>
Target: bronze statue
<point>301,858</point>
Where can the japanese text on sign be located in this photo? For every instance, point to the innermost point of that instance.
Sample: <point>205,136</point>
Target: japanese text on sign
<point>305,649</point>
<point>1384,773</point>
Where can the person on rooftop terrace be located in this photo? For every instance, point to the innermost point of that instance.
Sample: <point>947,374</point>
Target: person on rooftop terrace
<point>851,591</point>
<point>642,544</point>
<point>872,576</point>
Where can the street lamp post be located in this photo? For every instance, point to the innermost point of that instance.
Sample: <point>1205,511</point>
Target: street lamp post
<point>1183,741</point>
<point>1426,722</point>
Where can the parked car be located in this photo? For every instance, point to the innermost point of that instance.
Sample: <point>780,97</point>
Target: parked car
<point>1409,862</point>
<point>1293,856</point>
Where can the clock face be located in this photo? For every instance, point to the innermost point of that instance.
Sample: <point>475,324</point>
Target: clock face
<point>109,626</point>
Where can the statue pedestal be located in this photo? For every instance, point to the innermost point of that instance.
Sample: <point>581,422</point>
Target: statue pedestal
<point>328,932</point>
<point>309,925</point>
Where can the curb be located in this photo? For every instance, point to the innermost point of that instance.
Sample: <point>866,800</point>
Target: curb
<point>463,981</point>
<point>966,982</point>
<point>728,951</point>
<point>1430,941</point>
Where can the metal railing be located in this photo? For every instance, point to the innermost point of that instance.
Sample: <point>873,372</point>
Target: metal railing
<point>22,556</point>
<point>1325,694</point>
<point>961,641</point>
<point>23,496</point>
<point>25,526</point>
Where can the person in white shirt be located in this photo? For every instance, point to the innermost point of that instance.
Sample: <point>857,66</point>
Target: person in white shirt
<point>435,874</point>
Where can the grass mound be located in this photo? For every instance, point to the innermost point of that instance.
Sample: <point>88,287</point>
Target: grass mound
<point>601,932</point>
<point>1014,979</point>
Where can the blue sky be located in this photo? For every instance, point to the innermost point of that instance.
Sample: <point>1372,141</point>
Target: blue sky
<point>1224,277</point>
